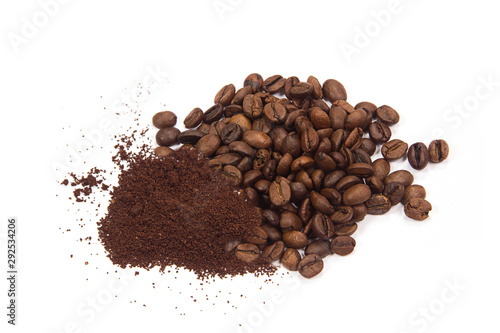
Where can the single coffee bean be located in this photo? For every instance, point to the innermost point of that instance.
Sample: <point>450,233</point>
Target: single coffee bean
<point>167,136</point>
<point>310,266</point>
<point>247,252</point>
<point>317,177</point>
<point>414,191</point>
<point>295,239</point>
<point>395,192</point>
<point>251,196</point>
<point>274,251</point>
<point>164,119</point>
<point>232,175</point>
<point>230,133</point>
<point>208,144</point>
<point>361,156</point>
<point>362,170</point>
<point>334,90</point>
<point>344,105</point>
<point>303,123</point>
<point>356,119</point>
<point>359,213</point>
<point>262,125</point>
<point>304,178</point>
<point>356,194</point>
<point>342,214</point>
<point>190,136</point>
<point>379,132</point>
<point>261,158</point>
<point>292,117</point>
<point>225,95</point>
<point>309,140</point>
<point>251,177</point>
<point>346,229</point>
<point>322,226</point>
<point>213,114</point>
<point>375,184</point>
<point>401,176</point>
<point>243,121</point>
<point>342,245</point>
<point>231,245</point>
<point>332,178</point>
<point>163,151</point>
<point>325,162</point>
<point>304,212</point>
<point>354,138</point>
<point>289,221</point>
<point>252,106</point>
<point>317,92</point>
<point>347,182</point>
<point>273,84</point>
<point>418,209</point>
<point>321,204</point>
<point>438,151</point>
<point>320,118</point>
<point>381,168</point>
<point>194,118</point>
<point>269,169</point>
<point>289,83</point>
<point>368,146</point>
<point>290,259</point>
<point>254,81</point>
<point>241,148</point>
<point>367,106</point>
<point>302,163</point>
<point>280,192</point>
<point>257,236</point>
<point>387,115</point>
<point>394,149</point>
<point>273,234</point>
<point>271,216</point>
<point>378,204</point>
<point>240,95</point>
<point>418,156</point>
<point>318,247</point>
<point>257,139</point>
<point>275,112</point>
<point>337,117</point>
<point>301,90</point>
<point>333,196</point>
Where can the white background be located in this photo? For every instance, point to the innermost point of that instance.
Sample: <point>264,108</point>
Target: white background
<point>427,59</point>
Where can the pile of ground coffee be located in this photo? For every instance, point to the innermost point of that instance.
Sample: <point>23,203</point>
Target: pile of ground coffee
<point>175,210</point>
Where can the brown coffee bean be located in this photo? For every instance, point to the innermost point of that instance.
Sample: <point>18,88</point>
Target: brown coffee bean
<point>353,141</point>
<point>295,239</point>
<point>332,178</point>
<point>359,213</point>
<point>317,92</point>
<point>291,145</point>
<point>232,175</point>
<point>274,251</point>
<point>362,170</point>
<point>334,90</point>
<point>289,83</point>
<point>254,81</point>
<point>225,95</point>
<point>231,245</point>
<point>347,182</point>
<point>257,236</point>
<point>167,136</point>
<point>325,162</point>
<point>164,119</point>
<point>361,156</point>
<point>273,84</point>
<point>356,194</point>
<point>322,226</point>
<point>275,112</point>
<point>344,105</point>
<point>244,123</point>
<point>379,132</point>
<point>418,156</point>
<point>320,118</point>
<point>271,216</point>
<point>367,106</point>
<point>269,169</point>
<point>301,163</point>
<point>318,247</point>
<point>394,149</point>
<point>378,204</point>
<point>301,90</point>
<point>413,191</point>
<point>418,209</point>
<point>257,139</point>
<point>381,168</point>
<point>251,177</point>
<point>273,234</point>
<point>280,192</point>
<point>368,146</point>
<point>375,184</point>
<point>241,148</point>
<point>240,95</point>
<point>247,252</point>
<point>310,266</point>
<point>261,158</point>
<point>208,144</point>
<point>190,136</point>
<point>395,192</point>
<point>309,140</point>
<point>356,119</point>
<point>438,151</point>
<point>342,245</point>
<point>337,117</point>
<point>346,229</point>
<point>194,118</point>
<point>289,221</point>
<point>290,259</point>
<point>342,214</point>
<point>252,106</point>
<point>321,204</point>
<point>333,196</point>
<point>230,133</point>
<point>163,151</point>
<point>387,115</point>
<point>401,176</point>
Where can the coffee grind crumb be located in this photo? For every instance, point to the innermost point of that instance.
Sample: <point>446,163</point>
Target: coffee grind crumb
<point>175,211</point>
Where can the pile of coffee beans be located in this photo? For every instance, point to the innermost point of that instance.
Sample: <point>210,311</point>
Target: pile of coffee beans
<point>303,155</point>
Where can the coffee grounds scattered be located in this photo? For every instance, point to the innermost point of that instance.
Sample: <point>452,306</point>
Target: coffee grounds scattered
<point>175,210</point>
<point>86,183</point>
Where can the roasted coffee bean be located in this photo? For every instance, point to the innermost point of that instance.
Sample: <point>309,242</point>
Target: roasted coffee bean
<point>295,239</point>
<point>309,140</point>
<point>284,165</point>
<point>261,158</point>
<point>225,95</point>
<point>222,150</point>
<point>275,112</point>
<point>356,194</point>
<point>303,123</point>
<point>346,229</point>
<point>290,259</point>
<point>381,168</point>
<point>280,192</point>
<point>334,90</point>
<point>262,125</point>
<point>353,140</point>
<point>379,132</point>
<point>257,139</point>
<point>413,191</point>
<point>375,184</point>
<point>367,106</point>
<point>394,149</point>
<point>304,178</point>
<point>242,148</point>
<point>301,90</point>
<point>438,151</point>
<point>337,117</point>
<point>208,144</point>
<point>310,266</point>
<point>320,118</point>
<point>273,84</point>
<point>290,222</point>
<point>347,182</point>
<point>418,209</point>
<point>361,156</point>
<point>317,177</point>
<point>418,156</point>
<point>163,151</point>
<point>194,118</point>
<point>230,133</point>
<point>216,127</point>
<point>322,226</point>
<point>292,117</point>
<point>347,155</point>
<point>243,121</point>
<point>167,136</point>
<point>342,214</point>
<point>277,135</point>
<point>291,145</point>
<point>395,192</point>
<point>304,211</point>
<point>257,236</point>
<point>186,146</point>
<point>274,251</point>
<point>378,204</point>
<point>254,81</point>
<point>213,114</point>
<point>387,115</point>
<point>342,245</point>
<point>401,176</point>
<point>231,245</point>
<point>333,196</point>
<point>269,169</point>
<point>251,177</point>
<point>317,92</point>
<point>251,196</point>
<point>362,170</point>
<point>337,139</point>
<point>301,163</point>
<point>232,175</point>
<point>289,83</point>
<point>344,105</point>
<point>240,95</point>
<point>332,178</point>
<point>359,213</point>
<point>324,162</point>
<point>368,146</point>
<point>273,234</point>
<point>252,106</point>
<point>247,252</point>
<point>321,204</point>
<point>319,247</point>
<point>164,119</point>
<point>356,119</point>
<point>190,136</point>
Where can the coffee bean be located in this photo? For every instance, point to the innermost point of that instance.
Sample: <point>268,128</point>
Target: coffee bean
<point>418,209</point>
<point>290,259</point>
<point>190,136</point>
<point>332,178</point>
<point>418,156</point>
<point>342,214</point>
<point>310,266</point>
<point>167,136</point>
<point>414,191</point>
<point>273,84</point>
<point>356,194</point>
<point>395,192</point>
<point>274,251</point>
<point>346,229</point>
<point>362,170</point>
<point>344,105</point>
<point>438,151</point>
<point>394,149</point>
<point>230,133</point>
<point>342,245</point>
<point>257,139</point>
<point>240,95</point>
<point>401,176</point>
<point>361,156</point>
<point>271,216</point>
<point>257,236</point>
<point>273,234</point>
<point>309,140</point>
<point>320,118</point>
<point>225,95</point>
<point>319,247</point>
<point>231,245</point>
<point>367,106</point>
<point>321,203</point>
<point>333,196</point>
<point>375,184</point>
<point>324,162</point>
<point>378,204</point>
<point>304,178</point>
<point>261,158</point>
<point>208,144</point>
<point>347,182</point>
<point>275,112</point>
<point>359,213</point>
<point>356,119</point>
<point>353,141</point>
<point>302,163</point>
<point>368,146</point>
<point>381,168</point>
<point>194,118</point>
<point>254,81</point>
<point>163,151</point>
<point>247,252</point>
<point>322,226</point>
<point>251,177</point>
<point>252,106</point>
<point>379,132</point>
<point>279,192</point>
<point>241,148</point>
<point>269,169</point>
<point>244,123</point>
<point>295,239</point>
<point>289,83</point>
<point>232,175</point>
<point>301,90</point>
<point>387,115</point>
<point>317,92</point>
<point>164,119</point>
<point>289,221</point>
<point>334,90</point>
<point>252,196</point>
